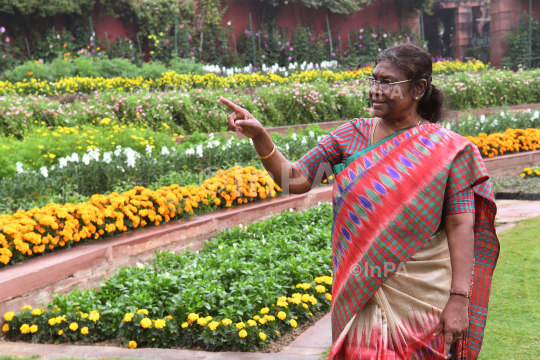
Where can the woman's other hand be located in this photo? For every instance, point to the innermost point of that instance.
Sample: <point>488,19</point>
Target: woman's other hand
<point>454,321</point>
<point>242,120</point>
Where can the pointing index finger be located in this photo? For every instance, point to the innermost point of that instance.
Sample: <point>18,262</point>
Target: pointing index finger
<point>230,104</point>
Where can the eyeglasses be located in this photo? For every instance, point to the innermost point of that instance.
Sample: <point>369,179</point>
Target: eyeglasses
<point>385,85</point>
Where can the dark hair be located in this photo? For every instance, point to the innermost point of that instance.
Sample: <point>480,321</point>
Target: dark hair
<point>417,65</point>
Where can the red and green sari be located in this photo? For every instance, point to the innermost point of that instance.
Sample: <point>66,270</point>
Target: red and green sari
<point>390,258</point>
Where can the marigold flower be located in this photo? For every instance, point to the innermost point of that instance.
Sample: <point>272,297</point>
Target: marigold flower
<point>60,332</point>
<point>5,328</point>
<point>281,315</point>
<point>9,316</point>
<point>185,325</point>
<point>242,333</point>
<point>84,331</point>
<point>146,323</point>
<point>240,325</point>
<point>25,329</point>
<point>73,326</point>
<point>226,322</point>
<point>293,323</point>
<point>262,336</point>
<point>132,344</point>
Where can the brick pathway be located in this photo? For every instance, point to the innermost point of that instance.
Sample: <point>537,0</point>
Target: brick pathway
<point>308,346</point>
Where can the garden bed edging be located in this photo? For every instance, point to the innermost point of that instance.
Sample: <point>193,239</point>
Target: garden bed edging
<point>32,281</point>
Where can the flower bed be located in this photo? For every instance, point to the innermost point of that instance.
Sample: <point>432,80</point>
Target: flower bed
<point>528,172</point>
<point>41,230</point>
<point>245,288</point>
<point>511,141</point>
<point>33,85</point>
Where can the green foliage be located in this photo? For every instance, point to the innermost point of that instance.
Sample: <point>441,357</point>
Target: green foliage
<point>518,44</point>
<point>250,266</point>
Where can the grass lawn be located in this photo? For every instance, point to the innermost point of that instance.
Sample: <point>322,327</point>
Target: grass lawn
<point>513,325</point>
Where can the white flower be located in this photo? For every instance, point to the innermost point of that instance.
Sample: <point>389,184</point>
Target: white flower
<point>19,168</point>
<point>234,245</point>
<point>167,275</point>
<point>291,210</point>
<point>139,265</point>
<point>311,134</point>
<point>294,136</point>
<point>148,150</point>
<point>44,171</point>
<point>73,158</point>
<point>107,157</point>
<point>535,115</point>
<point>211,136</point>
<point>482,118</point>
<point>240,226</point>
<point>384,35</point>
<point>220,247</point>
<point>190,151</point>
<point>199,150</point>
<point>165,151</point>
<point>62,162</point>
<point>86,159</point>
<point>304,141</point>
<point>118,150</point>
<point>502,113</point>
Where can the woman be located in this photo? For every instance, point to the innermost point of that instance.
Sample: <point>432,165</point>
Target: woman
<point>413,219</point>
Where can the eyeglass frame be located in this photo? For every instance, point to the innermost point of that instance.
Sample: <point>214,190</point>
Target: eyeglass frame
<point>373,81</point>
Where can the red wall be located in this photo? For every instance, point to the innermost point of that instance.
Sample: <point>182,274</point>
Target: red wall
<point>238,14</point>
<point>535,7</point>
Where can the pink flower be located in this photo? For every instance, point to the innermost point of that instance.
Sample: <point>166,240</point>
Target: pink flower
<point>291,48</point>
<point>360,37</point>
<point>7,39</point>
<point>360,45</point>
<point>290,58</point>
<point>166,29</point>
<point>2,30</point>
<point>181,26</point>
<point>312,39</point>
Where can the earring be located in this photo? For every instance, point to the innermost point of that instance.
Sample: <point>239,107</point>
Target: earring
<point>417,98</point>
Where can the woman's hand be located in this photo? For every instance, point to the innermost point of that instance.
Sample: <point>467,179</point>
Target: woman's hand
<point>454,320</point>
<point>242,120</point>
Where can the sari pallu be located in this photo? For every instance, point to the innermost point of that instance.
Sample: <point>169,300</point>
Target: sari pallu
<point>387,205</point>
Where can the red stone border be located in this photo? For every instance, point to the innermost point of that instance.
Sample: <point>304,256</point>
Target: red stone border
<point>511,164</point>
<point>31,281</point>
<point>454,114</point>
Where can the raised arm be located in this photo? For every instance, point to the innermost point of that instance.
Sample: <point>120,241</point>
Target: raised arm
<point>284,172</point>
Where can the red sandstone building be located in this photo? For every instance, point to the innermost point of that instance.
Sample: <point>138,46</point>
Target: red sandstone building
<point>453,28</point>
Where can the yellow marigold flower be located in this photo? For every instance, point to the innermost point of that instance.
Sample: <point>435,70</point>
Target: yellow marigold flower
<point>213,325</point>
<point>262,336</point>
<point>128,317</point>
<point>60,332</point>
<point>320,289</point>
<point>36,312</point>
<point>305,305</point>
<point>293,323</point>
<point>242,333</point>
<point>26,307</point>
<point>185,325</point>
<point>328,296</point>
<point>522,175</point>
<point>201,321</point>
<point>5,328</point>
<point>256,317</point>
<point>265,310</point>
<point>25,329</point>
<point>33,329</point>
<point>281,315</point>
<point>305,297</point>
<point>84,316</point>
<point>240,325</point>
<point>277,333</point>
<point>9,316</point>
<point>226,322</point>
<point>94,316</point>
<point>142,311</point>
<point>310,314</point>
<point>160,324</point>
<point>251,322</point>
<point>132,345</point>
<point>73,326</point>
<point>192,317</point>
<point>208,318</point>
<point>84,331</point>
<point>146,323</point>
<point>262,321</point>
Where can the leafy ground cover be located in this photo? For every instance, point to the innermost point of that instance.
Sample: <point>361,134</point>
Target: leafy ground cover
<point>246,287</point>
<point>515,184</point>
<point>512,330</point>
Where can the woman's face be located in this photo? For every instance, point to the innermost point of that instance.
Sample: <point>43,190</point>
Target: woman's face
<point>397,102</point>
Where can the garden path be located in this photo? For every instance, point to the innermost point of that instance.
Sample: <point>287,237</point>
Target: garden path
<point>308,346</point>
